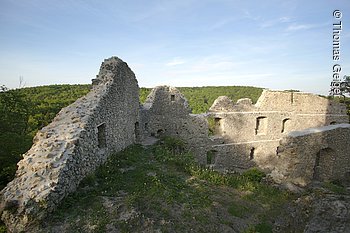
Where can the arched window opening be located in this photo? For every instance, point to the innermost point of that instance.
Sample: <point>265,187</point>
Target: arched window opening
<point>286,125</point>
<point>261,125</point>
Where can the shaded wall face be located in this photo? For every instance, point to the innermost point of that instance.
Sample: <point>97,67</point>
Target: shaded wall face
<point>241,156</point>
<point>79,139</point>
<point>166,113</point>
<point>319,156</point>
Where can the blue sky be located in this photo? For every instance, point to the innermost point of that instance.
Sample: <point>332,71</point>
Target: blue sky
<point>276,44</point>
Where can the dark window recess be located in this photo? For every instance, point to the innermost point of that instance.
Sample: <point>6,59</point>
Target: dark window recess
<point>261,125</point>
<point>146,126</point>
<point>160,132</point>
<point>172,98</point>
<point>216,128</point>
<point>137,131</point>
<point>285,125</point>
<point>101,135</point>
<point>333,123</point>
<point>251,155</point>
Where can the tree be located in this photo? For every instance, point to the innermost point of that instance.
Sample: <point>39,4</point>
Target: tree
<point>14,141</point>
<point>345,85</point>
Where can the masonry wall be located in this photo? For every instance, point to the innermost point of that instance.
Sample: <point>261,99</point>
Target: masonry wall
<point>80,138</point>
<point>166,113</point>
<point>109,118</point>
<point>315,154</point>
<point>250,133</point>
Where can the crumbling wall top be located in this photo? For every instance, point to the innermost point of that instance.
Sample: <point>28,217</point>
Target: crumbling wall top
<point>163,97</point>
<point>316,130</point>
<point>225,104</point>
<point>110,69</point>
<point>287,101</point>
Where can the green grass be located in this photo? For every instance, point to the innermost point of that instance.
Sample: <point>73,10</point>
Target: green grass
<point>335,187</point>
<point>262,227</point>
<point>161,188</point>
<point>238,210</point>
<point>3,228</point>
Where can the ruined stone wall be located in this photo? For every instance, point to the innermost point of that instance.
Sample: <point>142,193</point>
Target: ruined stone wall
<point>80,138</point>
<point>250,133</point>
<point>109,118</point>
<point>315,154</point>
<point>166,113</point>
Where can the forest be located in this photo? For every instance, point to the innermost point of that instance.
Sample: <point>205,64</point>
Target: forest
<point>26,110</point>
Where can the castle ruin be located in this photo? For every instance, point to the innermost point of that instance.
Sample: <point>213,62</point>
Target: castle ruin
<point>295,137</point>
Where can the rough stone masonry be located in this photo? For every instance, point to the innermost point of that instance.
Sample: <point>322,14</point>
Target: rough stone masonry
<point>79,139</point>
<point>296,137</point>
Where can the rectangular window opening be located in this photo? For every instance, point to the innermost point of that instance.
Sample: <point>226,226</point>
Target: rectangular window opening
<point>261,126</point>
<point>101,136</point>
<point>252,153</point>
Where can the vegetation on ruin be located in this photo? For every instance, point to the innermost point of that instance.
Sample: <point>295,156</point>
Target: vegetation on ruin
<point>182,186</point>
<point>161,188</point>
<point>24,111</point>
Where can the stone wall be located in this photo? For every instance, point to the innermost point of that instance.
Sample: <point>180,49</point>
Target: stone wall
<point>80,138</point>
<point>109,118</point>
<point>315,154</point>
<point>250,133</point>
<point>166,113</point>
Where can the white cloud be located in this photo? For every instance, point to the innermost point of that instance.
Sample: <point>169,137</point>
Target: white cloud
<point>284,19</point>
<point>297,27</point>
<point>176,61</point>
<point>219,24</point>
<point>203,65</point>
<point>251,16</point>
<point>274,22</point>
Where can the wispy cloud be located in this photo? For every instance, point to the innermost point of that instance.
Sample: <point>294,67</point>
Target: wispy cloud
<point>285,19</point>
<point>208,64</point>
<point>220,23</point>
<point>251,16</point>
<point>274,22</point>
<point>176,61</point>
<point>297,27</point>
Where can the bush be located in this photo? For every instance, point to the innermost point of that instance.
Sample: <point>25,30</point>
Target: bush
<point>254,175</point>
<point>175,145</point>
